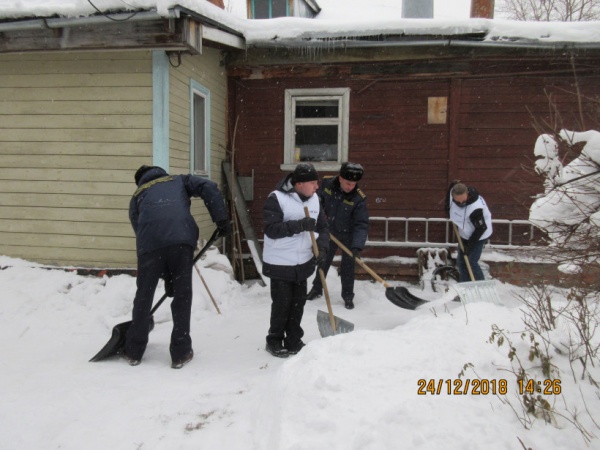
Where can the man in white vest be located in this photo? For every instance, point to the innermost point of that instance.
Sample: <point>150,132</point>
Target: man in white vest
<point>288,255</point>
<point>473,218</point>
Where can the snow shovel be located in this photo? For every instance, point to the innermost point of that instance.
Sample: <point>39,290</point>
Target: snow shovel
<point>399,296</point>
<point>469,292</point>
<point>117,340</point>
<point>473,291</point>
<point>328,324</point>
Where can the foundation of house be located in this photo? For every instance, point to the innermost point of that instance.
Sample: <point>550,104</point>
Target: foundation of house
<point>507,266</point>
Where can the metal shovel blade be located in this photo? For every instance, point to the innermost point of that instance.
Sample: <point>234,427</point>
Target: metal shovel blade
<point>116,341</point>
<point>341,325</point>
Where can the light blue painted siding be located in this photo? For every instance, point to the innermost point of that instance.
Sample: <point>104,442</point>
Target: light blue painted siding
<point>160,109</point>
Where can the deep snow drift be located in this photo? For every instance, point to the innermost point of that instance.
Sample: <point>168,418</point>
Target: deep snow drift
<point>354,391</point>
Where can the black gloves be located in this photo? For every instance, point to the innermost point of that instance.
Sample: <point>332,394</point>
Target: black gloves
<point>356,253</point>
<point>168,285</point>
<point>224,227</point>
<point>307,224</point>
<point>321,258</point>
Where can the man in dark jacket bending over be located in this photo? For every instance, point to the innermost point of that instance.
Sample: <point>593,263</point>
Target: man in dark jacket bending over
<point>345,206</point>
<point>288,255</point>
<point>166,236</point>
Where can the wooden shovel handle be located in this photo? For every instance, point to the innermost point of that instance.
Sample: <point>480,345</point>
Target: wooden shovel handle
<point>462,249</point>
<point>321,274</point>
<point>207,289</point>
<point>359,261</point>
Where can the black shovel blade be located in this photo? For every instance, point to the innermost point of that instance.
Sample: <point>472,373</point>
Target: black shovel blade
<point>324,324</point>
<point>114,344</point>
<point>116,341</point>
<point>401,297</point>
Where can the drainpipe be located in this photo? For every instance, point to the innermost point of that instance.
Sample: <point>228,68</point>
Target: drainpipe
<point>482,9</point>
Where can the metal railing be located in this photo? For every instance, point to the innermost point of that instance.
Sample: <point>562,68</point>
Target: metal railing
<point>504,239</point>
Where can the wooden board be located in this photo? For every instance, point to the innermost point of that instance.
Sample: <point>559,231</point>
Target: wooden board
<point>242,211</point>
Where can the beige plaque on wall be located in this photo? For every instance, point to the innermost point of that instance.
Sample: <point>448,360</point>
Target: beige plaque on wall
<point>436,109</point>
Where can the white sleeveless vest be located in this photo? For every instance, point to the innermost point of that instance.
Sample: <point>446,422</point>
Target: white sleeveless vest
<point>296,249</point>
<point>460,216</point>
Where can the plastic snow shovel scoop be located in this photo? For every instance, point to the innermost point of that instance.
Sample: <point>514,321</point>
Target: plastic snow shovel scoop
<point>469,292</point>
<point>117,340</point>
<point>399,296</point>
<point>328,324</point>
<point>475,291</point>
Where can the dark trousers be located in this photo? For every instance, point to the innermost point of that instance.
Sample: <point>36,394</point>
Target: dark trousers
<point>474,255</point>
<point>287,307</point>
<point>346,273</point>
<point>176,261</point>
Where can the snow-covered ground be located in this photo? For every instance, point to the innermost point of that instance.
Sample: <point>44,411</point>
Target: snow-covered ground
<point>353,391</point>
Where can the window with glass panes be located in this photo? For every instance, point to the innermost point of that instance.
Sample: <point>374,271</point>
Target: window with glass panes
<point>200,130</point>
<point>316,125</point>
<point>268,9</point>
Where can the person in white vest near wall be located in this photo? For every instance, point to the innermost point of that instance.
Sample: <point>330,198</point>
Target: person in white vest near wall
<point>469,211</point>
<point>288,258</point>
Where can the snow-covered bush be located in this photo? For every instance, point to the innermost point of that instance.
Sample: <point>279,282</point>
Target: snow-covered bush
<point>569,209</point>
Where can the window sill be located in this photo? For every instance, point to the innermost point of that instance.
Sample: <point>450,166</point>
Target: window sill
<point>321,167</point>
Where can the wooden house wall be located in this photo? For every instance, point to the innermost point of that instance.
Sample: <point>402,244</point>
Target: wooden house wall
<point>487,141</point>
<point>206,70</point>
<point>73,128</point>
<point>498,123</point>
<point>496,132</point>
<point>405,159</point>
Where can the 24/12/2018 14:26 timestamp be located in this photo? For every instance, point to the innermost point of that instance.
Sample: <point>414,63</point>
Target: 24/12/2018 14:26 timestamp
<point>485,386</point>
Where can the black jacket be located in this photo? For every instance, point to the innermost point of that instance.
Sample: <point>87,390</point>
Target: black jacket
<point>159,210</point>
<point>347,213</point>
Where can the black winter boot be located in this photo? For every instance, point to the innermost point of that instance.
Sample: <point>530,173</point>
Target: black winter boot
<point>294,349</point>
<point>131,361</point>
<point>314,293</point>
<point>276,349</point>
<point>178,364</point>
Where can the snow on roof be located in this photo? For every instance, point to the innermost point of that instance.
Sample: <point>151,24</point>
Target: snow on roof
<point>289,29</point>
<point>325,26</point>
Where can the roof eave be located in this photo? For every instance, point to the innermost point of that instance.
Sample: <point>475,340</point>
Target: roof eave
<point>208,29</point>
<point>425,41</point>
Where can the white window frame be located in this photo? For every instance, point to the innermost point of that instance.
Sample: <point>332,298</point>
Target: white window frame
<point>342,95</point>
<point>197,89</point>
<point>270,3</point>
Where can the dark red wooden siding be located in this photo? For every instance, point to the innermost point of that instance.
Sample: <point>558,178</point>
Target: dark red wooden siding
<point>496,133</point>
<point>487,142</point>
